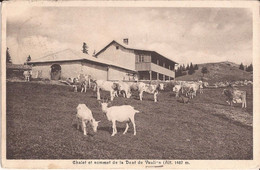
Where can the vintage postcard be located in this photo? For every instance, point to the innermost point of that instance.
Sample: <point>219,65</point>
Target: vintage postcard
<point>130,84</point>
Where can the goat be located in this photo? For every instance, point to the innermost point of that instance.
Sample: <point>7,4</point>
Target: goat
<point>84,85</point>
<point>183,99</point>
<point>177,89</point>
<point>124,113</point>
<point>149,88</point>
<point>112,87</point>
<point>84,114</point>
<point>27,75</point>
<point>235,96</point>
<point>125,89</point>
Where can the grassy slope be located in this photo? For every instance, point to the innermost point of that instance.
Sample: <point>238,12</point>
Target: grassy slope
<point>39,126</point>
<point>223,71</point>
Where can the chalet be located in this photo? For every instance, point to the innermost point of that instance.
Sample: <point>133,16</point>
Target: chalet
<point>149,65</point>
<point>69,63</point>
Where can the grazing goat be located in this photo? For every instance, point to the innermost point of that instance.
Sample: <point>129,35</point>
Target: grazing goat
<point>183,99</point>
<point>84,115</point>
<point>124,113</point>
<point>124,88</point>
<point>112,87</point>
<point>177,89</point>
<point>84,86</point>
<point>205,84</point>
<point>149,88</point>
<point>200,83</point>
<point>75,84</point>
<point>190,89</point>
<point>235,96</point>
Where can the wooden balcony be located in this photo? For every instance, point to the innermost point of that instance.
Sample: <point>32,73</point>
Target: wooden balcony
<point>147,66</point>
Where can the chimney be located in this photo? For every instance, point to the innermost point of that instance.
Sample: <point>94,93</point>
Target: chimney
<point>125,40</point>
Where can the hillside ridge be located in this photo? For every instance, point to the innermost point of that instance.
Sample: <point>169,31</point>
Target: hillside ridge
<point>218,71</point>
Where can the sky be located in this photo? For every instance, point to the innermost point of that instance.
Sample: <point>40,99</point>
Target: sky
<point>197,35</point>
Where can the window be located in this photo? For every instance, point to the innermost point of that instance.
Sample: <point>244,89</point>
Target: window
<point>117,47</point>
<point>141,58</point>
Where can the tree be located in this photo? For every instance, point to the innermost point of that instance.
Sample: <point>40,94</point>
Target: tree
<point>27,60</point>
<point>204,70</point>
<point>191,66</point>
<point>188,67</point>
<point>179,72</point>
<point>191,71</point>
<point>183,68</point>
<point>85,48</point>
<point>249,68</point>
<point>241,67</point>
<point>8,56</point>
<point>196,67</point>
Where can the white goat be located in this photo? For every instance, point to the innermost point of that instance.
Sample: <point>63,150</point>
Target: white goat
<point>177,89</point>
<point>84,114</point>
<point>112,87</point>
<point>27,75</point>
<point>124,113</point>
<point>125,89</point>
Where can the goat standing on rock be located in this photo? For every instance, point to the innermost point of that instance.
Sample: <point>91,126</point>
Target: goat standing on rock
<point>124,113</point>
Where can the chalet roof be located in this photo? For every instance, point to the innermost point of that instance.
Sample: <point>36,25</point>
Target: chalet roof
<point>134,49</point>
<point>71,55</point>
<point>18,66</point>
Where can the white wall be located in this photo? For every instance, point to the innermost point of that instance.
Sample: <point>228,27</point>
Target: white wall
<point>68,69</point>
<point>95,71</point>
<point>44,68</point>
<point>121,56</point>
<point>73,69</point>
<point>117,74</point>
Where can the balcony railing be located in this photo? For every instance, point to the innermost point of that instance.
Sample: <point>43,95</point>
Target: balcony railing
<point>155,68</point>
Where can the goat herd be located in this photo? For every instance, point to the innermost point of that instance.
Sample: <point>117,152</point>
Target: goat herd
<point>184,90</point>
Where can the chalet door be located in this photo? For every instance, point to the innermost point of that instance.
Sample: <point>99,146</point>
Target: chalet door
<point>55,72</point>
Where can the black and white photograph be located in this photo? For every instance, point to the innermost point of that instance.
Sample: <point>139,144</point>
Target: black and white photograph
<point>129,84</point>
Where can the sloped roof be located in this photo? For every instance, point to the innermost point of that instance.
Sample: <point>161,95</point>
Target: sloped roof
<point>71,55</point>
<point>135,49</point>
<point>64,55</point>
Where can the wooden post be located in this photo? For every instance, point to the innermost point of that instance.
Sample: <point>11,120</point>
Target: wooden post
<point>163,77</point>
<point>150,72</point>
<point>108,73</point>
<point>157,76</point>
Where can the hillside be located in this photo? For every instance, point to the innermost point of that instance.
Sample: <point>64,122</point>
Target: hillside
<point>39,120</point>
<point>222,71</point>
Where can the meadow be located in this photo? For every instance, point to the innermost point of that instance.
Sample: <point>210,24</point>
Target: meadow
<point>40,126</point>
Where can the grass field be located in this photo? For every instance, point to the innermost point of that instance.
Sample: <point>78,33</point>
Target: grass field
<point>39,126</point>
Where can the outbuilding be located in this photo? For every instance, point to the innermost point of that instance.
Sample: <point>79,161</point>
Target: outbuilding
<point>70,63</point>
